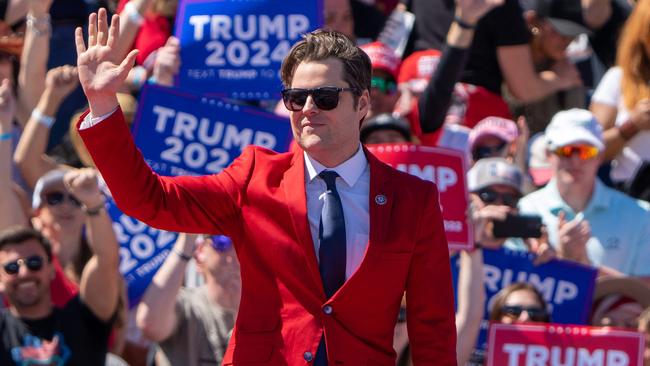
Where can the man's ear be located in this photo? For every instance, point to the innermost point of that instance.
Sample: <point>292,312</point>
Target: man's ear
<point>363,106</point>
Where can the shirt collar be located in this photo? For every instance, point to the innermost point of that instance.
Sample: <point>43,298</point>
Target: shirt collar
<point>600,198</point>
<point>350,170</point>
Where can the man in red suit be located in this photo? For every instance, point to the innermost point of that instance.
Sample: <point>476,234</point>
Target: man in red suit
<point>328,237</point>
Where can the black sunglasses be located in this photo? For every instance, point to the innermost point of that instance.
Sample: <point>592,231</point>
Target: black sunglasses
<point>535,313</point>
<point>34,263</point>
<point>487,151</point>
<point>56,198</point>
<point>490,196</point>
<point>326,98</point>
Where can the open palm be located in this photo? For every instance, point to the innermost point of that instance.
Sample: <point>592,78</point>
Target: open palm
<point>101,72</point>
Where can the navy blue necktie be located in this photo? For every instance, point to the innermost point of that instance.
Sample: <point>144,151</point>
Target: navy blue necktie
<point>331,252</point>
<point>331,235</point>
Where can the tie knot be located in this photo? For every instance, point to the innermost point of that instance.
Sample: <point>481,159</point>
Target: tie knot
<point>329,176</point>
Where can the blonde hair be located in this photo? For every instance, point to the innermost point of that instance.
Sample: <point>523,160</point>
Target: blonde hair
<point>633,55</point>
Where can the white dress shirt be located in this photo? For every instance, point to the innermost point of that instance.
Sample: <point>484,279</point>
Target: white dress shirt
<point>353,185</point>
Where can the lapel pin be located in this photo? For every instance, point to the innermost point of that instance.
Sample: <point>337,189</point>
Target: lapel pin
<point>380,199</point>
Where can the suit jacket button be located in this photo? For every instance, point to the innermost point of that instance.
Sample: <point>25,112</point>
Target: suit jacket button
<point>327,309</point>
<point>308,356</point>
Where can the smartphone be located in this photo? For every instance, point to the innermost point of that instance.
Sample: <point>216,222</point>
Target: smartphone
<point>518,226</point>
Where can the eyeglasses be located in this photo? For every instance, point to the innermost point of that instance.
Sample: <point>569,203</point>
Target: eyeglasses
<point>34,263</point>
<point>220,243</point>
<point>57,198</point>
<point>585,152</point>
<point>384,85</point>
<point>487,151</point>
<point>535,313</point>
<point>490,196</point>
<point>326,98</point>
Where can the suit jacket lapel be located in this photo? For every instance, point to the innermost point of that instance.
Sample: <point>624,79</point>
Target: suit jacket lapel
<point>293,185</point>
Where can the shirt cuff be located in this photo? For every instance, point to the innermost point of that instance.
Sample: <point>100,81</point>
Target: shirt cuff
<point>90,121</point>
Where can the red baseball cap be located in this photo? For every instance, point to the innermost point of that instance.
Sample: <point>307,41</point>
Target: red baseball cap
<point>383,57</point>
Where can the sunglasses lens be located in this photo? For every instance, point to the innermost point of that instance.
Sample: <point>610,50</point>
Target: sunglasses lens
<point>34,263</point>
<point>294,99</point>
<point>385,86</point>
<point>487,196</point>
<point>11,268</point>
<point>54,198</point>
<point>326,98</point>
<point>585,152</point>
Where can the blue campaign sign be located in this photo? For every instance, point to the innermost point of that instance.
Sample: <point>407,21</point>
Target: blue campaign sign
<point>143,249</point>
<point>234,48</point>
<point>184,133</point>
<point>567,287</point>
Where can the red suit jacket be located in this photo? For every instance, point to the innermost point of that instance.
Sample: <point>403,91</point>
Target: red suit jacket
<point>260,202</point>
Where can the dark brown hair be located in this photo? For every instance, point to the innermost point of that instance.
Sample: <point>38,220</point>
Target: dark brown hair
<point>18,235</point>
<point>500,299</point>
<point>323,44</point>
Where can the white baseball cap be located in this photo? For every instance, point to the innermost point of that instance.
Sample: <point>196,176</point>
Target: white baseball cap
<point>574,126</point>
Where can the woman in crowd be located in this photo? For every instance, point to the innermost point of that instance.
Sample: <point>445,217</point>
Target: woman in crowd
<point>621,103</point>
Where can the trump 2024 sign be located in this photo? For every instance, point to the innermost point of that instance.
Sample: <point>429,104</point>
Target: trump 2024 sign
<point>563,345</point>
<point>234,48</point>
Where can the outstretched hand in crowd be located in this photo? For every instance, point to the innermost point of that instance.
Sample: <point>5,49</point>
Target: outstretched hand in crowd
<point>101,71</point>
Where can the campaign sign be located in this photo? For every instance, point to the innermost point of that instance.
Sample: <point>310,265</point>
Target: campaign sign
<point>184,133</point>
<point>234,48</point>
<point>567,287</point>
<point>444,167</point>
<point>563,345</point>
<point>143,249</point>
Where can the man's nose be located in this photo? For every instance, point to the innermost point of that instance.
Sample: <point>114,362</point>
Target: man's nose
<point>310,105</point>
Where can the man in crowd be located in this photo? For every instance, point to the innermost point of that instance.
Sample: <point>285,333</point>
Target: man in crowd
<point>34,331</point>
<point>385,68</point>
<point>314,229</point>
<point>194,329</point>
<point>587,221</point>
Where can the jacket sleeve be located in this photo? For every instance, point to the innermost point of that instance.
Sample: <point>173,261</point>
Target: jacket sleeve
<point>207,204</point>
<point>429,295</point>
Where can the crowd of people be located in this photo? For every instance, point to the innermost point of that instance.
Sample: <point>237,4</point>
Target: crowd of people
<point>548,100</point>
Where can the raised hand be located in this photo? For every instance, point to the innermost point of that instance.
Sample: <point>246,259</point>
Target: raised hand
<point>101,71</point>
<point>471,11</point>
<point>168,61</point>
<point>573,238</point>
<point>83,184</point>
<point>61,81</point>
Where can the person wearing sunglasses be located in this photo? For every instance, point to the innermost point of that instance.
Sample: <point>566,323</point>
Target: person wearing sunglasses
<point>383,84</point>
<point>587,221</point>
<point>519,302</point>
<point>316,229</point>
<point>35,330</point>
<point>493,137</point>
<point>194,329</point>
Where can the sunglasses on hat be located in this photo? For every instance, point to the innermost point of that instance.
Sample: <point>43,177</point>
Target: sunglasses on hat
<point>326,98</point>
<point>384,85</point>
<point>490,196</point>
<point>34,263</point>
<point>534,313</point>
<point>585,152</point>
<point>56,198</point>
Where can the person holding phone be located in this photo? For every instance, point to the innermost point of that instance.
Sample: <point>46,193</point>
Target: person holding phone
<point>495,189</point>
<point>587,221</point>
